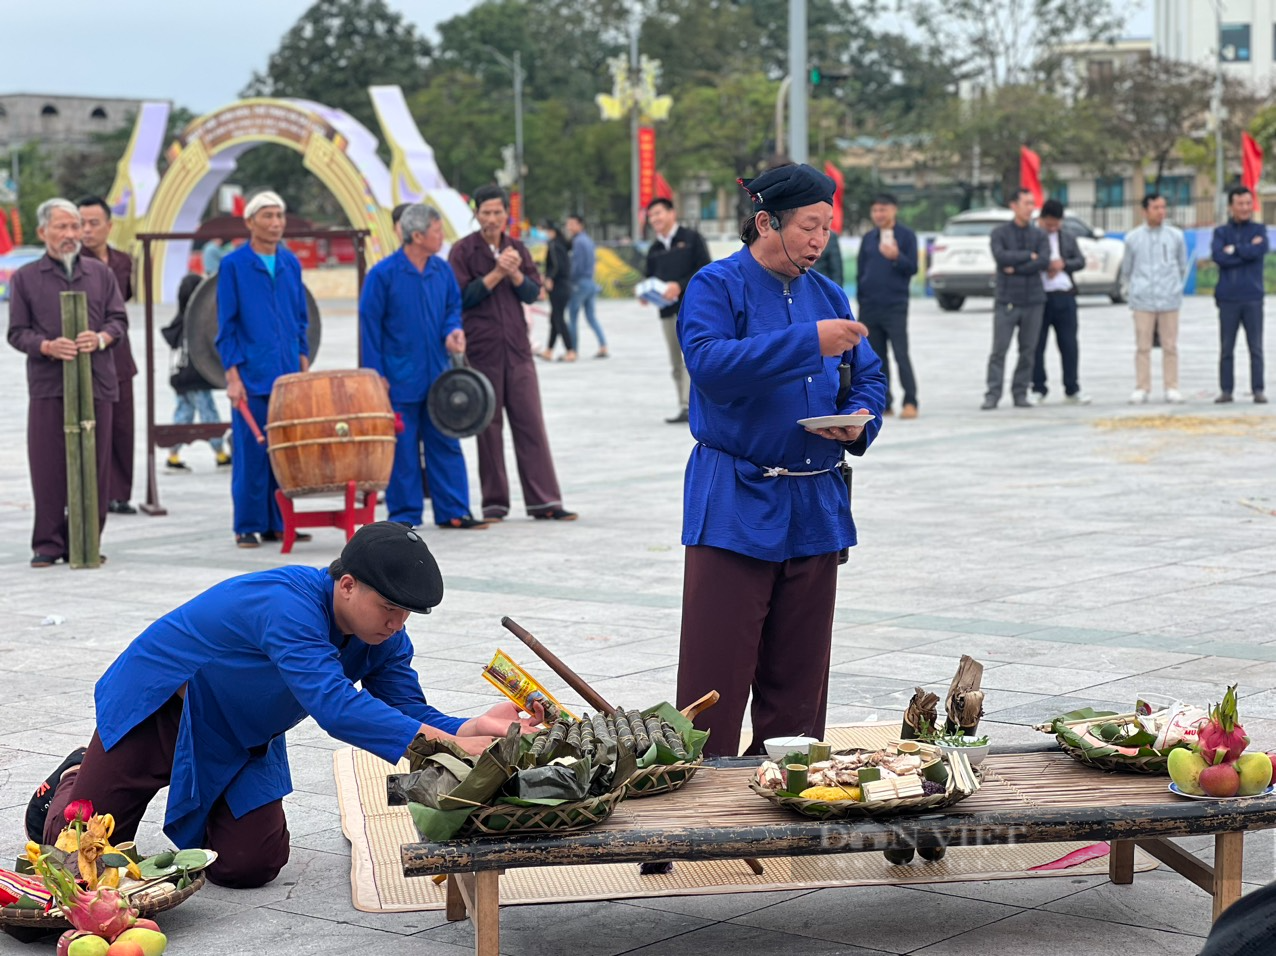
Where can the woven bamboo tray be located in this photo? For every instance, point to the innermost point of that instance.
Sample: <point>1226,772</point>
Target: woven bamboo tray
<point>506,819</point>
<point>148,901</point>
<point>660,778</point>
<point>1147,760</point>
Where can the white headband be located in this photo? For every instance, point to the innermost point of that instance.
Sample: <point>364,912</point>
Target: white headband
<point>261,201</point>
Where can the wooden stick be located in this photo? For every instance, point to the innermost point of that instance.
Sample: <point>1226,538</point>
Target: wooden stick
<point>88,441</point>
<point>696,708</point>
<point>71,428</point>
<point>244,410</point>
<point>590,696</point>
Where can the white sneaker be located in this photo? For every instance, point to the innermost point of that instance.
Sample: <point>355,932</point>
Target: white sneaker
<point>1138,397</point>
<point>1080,398</point>
<point>1174,396</point>
<point>1035,398</point>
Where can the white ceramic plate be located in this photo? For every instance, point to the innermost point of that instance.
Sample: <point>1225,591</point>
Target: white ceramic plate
<point>837,421</point>
<point>1174,789</point>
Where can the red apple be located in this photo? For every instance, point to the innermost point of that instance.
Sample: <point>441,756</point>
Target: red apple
<point>1220,780</point>
<point>1271,755</point>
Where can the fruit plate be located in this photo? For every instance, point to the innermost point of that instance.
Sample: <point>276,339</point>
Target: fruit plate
<point>1174,789</point>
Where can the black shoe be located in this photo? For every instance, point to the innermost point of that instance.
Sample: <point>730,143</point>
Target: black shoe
<point>1021,401</point>
<point>247,541</point>
<point>555,514</point>
<point>1260,398</point>
<point>39,560</point>
<point>464,523</point>
<point>273,536</point>
<point>38,808</point>
<point>1223,399</point>
<point>988,405</point>
<point>680,419</point>
<point>121,508</point>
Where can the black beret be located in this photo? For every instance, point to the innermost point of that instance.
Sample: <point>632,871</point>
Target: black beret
<point>392,559</point>
<point>789,187</point>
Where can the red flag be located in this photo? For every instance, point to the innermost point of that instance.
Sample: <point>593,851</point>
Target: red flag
<point>1251,162</point>
<point>1030,175</point>
<point>5,242</point>
<point>663,190</point>
<point>839,183</point>
<point>17,225</point>
<point>237,206</point>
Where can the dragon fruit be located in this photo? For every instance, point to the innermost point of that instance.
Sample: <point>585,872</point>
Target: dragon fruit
<point>103,913</point>
<point>1221,737</point>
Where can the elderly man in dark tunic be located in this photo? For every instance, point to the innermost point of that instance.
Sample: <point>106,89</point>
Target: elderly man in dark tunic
<point>35,327</point>
<point>95,215</point>
<point>769,342</point>
<point>497,278</point>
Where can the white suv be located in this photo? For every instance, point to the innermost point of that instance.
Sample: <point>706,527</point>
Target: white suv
<point>961,263</point>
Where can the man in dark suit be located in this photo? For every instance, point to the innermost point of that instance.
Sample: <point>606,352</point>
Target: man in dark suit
<point>676,254</point>
<point>1061,306</point>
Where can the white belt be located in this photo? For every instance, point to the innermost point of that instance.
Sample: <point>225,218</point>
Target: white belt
<point>774,472</point>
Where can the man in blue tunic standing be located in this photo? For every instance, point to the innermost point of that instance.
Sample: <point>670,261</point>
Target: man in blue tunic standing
<point>409,322</point>
<point>200,701</point>
<point>261,334</point>
<point>766,511</point>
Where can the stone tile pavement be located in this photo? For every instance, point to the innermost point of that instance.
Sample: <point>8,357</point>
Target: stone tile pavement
<point>1085,554</point>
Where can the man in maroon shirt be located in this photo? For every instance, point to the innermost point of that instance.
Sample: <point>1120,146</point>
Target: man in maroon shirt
<point>35,327</point>
<point>497,278</point>
<point>95,216</point>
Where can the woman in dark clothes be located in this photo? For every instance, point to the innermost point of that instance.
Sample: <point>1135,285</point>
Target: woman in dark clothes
<point>558,285</point>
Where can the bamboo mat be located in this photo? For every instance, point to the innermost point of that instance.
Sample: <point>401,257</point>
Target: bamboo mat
<point>376,831</point>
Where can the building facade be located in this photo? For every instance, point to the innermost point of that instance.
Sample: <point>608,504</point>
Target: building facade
<point>1246,43</point>
<point>54,120</point>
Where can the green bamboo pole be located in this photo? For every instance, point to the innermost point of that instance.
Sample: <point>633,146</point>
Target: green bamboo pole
<point>71,427</point>
<point>88,442</point>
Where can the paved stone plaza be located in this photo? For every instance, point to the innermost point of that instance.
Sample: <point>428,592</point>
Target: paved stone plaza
<point>1084,554</point>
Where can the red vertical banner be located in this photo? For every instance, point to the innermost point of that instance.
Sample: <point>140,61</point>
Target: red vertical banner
<point>17,226</point>
<point>839,187</point>
<point>1251,162</point>
<point>1030,175</point>
<point>646,165</point>
<point>5,242</point>
<point>516,214</point>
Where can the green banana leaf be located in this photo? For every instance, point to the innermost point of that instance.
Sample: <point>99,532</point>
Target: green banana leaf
<point>557,783</point>
<point>1097,751</point>
<point>434,824</point>
<point>692,739</point>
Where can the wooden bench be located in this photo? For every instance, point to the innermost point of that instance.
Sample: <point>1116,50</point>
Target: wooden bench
<point>1027,797</point>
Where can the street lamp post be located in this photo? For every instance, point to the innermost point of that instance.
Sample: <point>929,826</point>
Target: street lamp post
<point>515,66</point>
<point>1216,107</point>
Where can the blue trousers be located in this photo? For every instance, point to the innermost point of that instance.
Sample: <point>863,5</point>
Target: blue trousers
<point>252,483</point>
<point>1232,317</point>
<point>449,485</point>
<point>584,292</point>
<point>200,402</point>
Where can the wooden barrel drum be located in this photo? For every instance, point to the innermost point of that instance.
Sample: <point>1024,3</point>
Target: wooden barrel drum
<point>326,429</point>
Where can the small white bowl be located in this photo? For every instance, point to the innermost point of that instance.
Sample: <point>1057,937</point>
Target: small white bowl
<point>975,755</point>
<point>777,748</point>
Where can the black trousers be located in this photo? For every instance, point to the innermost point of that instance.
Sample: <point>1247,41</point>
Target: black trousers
<point>1232,317</point>
<point>1061,315</point>
<point>558,316</point>
<point>888,328</point>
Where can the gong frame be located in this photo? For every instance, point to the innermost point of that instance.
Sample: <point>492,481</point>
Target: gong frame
<point>166,436</point>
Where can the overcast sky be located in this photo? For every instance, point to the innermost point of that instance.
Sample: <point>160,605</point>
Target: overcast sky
<point>197,55</point>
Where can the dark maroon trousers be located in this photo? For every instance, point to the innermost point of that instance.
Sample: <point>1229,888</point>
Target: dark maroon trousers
<point>518,394</point>
<point>760,626</point>
<point>122,444</point>
<point>46,453</point>
<point>251,850</point>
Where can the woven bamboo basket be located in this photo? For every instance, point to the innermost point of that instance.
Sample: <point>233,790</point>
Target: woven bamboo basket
<point>1068,734</point>
<point>505,819</point>
<point>660,778</point>
<point>148,901</point>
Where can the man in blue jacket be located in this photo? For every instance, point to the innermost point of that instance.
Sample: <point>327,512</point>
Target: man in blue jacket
<point>261,334</point>
<point>887,262</point>
<point>766,510</point>
<point>201,699</point>
<point>409,322</point>
<point>1238,247</point>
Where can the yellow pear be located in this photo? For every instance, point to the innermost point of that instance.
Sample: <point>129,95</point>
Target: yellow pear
<point>152,943</point>
<point>1185,770</point>
<point>1256,773</point>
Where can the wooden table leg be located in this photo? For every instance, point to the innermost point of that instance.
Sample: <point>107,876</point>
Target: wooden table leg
<point>1229,856</point>
<point>455,902</point>
<point>485,913</point>
<point>1121,861</point>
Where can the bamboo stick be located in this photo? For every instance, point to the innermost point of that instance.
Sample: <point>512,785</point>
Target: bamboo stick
<point>574,680</point>
<point>71,427</point>
<point>88,441</point>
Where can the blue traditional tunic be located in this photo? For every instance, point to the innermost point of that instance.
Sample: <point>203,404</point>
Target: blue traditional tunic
<point>261,317</point>
<point>257,654</point>
<point>752,350</point>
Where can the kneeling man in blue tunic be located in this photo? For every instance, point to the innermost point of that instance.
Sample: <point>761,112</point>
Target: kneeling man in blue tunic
<point>766,508</point>
<point>200,701</point>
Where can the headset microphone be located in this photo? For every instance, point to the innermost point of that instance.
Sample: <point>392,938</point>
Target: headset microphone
<point>775,224</point>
